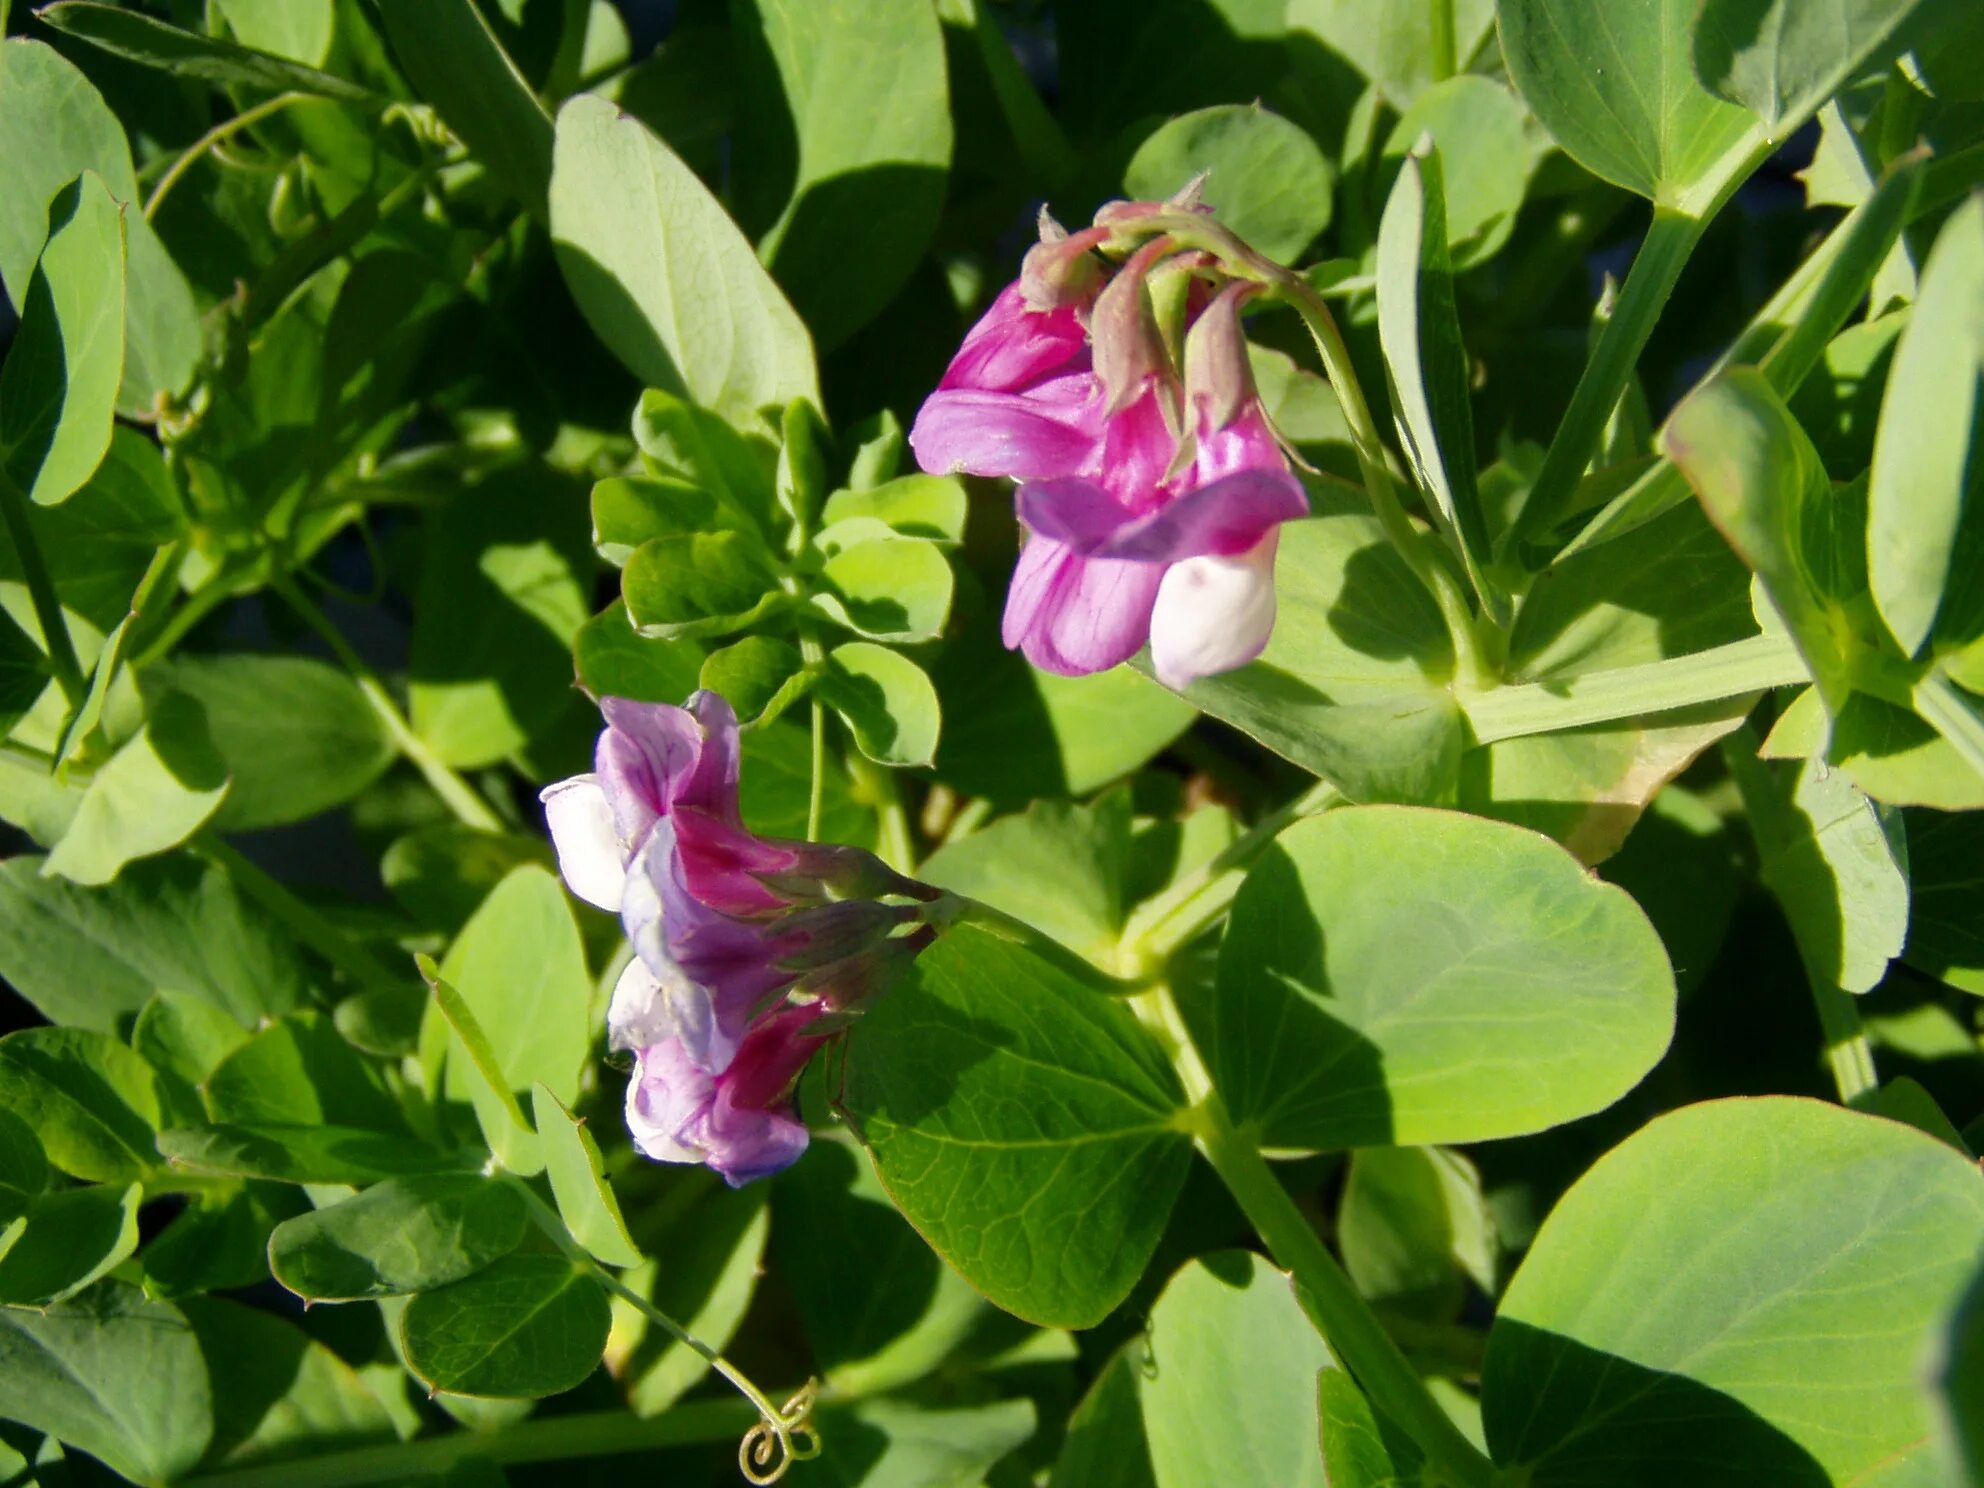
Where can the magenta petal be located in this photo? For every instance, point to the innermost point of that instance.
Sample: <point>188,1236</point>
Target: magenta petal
<point>1073,615</point>
<point>1222,519</point>
<point>720,863</point>
<point>1013,347</point>
<point>1008,434</point>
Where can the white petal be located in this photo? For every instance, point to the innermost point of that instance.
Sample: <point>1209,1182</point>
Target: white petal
<point>655,1121</point>
<point>1212,614</point>
<point>589,853</point>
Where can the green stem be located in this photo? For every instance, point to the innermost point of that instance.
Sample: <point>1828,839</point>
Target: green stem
<point>1669,241</point>
<point>196,151</point>
<point>1189,907</point>
<point>813,654</point>
<point>1751,665</point>
<point>1847,1048</point>
<point>1343,1316</point>
<point>55,638</point>
<point>548,1439</point>
<point>1440,23</point>
<point>305,923</point>
<point>1951,714</point>
<point>1413,546</point>
<point>796,1438</point>
<point>454,791</point>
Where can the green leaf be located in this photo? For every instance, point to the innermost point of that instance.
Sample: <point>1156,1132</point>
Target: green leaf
<point>737,466</point>
<point>886,699</point>
<point>1392,45</point>
<point>615,660</point>
<point>1411,1226</point>
<point>56,127</point>
<point>1958,1383</point>
<point>89,957</point>
<point>1057,866</point>
<point>1266,179</point>
<point>1353,684</point>
<point>1613,85</point>
<point>1420,329</point>
<point>859,150</point>
<point>1838,865</point>
<point>1946,891</point>
<point>504,1126</point>
<point>1923,456</point>
<point>300,1154</point>
<point>93,1103</point>
<point>299,1071</point>
<point>700,584</point>
<point>156,791</point>
<point>629,510</point>
<point>1015,1114</point>
<point>893,1444</point>
<point>1231,1394</point>
<point>72,1238</point>
<point>1396,976</point>
<point>1781,59</point>
<point>505,584</point>
<point>887,589</point>
<point>521,971</point>
<point>279,1393</point>
<point>1904,1100</point>
<point>58,387</point>
<point>1479,128</point>
<point>404,1235</point>
<point>715,1254</point>
<point>1765,1271</point>
<point>1105,1445</point>
<point>220,1241</point>
<point>456,63</point>
<point>578,1182</point>
<point>1013,733</point>
<point>761,676</point>
<point>801,480</point>
<point>23,1165</point>
<point>297,734</point>
<point>211,59</point>
<point>890,1321</point>
<point>1357,1451</point>
<point>298,29</point>
<point>928,506</point>
<point>24,673</point>
<point>113,1375</point>
<point>525,1327</point>
<point>648,253</point>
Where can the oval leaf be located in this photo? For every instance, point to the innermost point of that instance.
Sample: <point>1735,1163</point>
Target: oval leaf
<point>1393,976</point>
<point>1766,1271</point>
<point>525,1327</point>
<point>403,1235</point>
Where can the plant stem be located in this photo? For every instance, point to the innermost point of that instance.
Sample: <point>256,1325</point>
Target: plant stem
<point>1847,1049</point>
<point>454,791</point>
<point>196,151</point>
<point>1185,910</point>
<point>1411,544</point>
<point>1952,715</point>
<point>786,1423</point>
<point>813,654</point>
<point>1345,1319</point>
<point>548,1439</point>
<point>1751,665</point>
<point>55,638</point>
<point>1440,25</point>
<point>1669,241</point>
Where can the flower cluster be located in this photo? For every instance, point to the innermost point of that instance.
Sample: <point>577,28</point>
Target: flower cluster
<point>748,952</point>
<point>1152,497</point>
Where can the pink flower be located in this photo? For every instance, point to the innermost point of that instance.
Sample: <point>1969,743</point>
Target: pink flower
<point>1151,508</point>
<point>739,1122</point>
<point>724,924</point>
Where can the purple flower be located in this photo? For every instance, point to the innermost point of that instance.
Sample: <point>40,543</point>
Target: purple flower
<point>1151,505</point>
<point>724,924</point>
<point>739,1122</point>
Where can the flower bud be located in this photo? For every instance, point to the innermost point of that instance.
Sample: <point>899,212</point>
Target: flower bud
<point>1129,350</point>
<point>1219,381</point>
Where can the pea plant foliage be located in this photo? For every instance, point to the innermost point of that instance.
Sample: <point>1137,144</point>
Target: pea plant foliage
<point>918,743</point>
